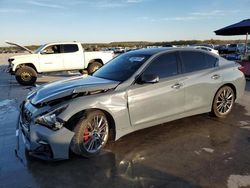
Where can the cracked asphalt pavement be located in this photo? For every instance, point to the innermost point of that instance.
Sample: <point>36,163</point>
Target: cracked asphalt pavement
<point>198,151</point>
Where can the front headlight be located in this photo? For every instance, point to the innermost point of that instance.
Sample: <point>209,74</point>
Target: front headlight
<point>10,60</point>
<point>50,119</point>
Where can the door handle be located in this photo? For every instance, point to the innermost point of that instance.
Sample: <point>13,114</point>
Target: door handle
<point>176,86</point>
<point>215,77</point>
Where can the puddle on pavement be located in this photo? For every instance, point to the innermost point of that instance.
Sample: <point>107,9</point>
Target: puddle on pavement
<point>7,108</point>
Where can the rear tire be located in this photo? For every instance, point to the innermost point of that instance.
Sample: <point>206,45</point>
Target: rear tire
<point>94,67</point>
<point>223,102</point>
<point>26,76</point>
<point>91,134</point>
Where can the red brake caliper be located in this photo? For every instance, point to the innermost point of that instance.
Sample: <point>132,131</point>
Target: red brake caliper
<point>86,135</point>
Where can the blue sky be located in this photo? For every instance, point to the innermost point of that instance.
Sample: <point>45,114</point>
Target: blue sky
<point>41,21</point>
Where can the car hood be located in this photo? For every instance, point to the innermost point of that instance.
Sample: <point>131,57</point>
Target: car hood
<point>67,87</point>
<point>20,46</point>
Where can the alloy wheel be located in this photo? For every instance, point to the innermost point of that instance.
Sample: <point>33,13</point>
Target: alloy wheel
<point>95,133</point>
<point>225,100</point>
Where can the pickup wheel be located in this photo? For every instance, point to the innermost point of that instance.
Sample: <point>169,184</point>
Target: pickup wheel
<point>91,134</point>
<point>94,67</point>
<point>26,75</point>
<point>83,72</point>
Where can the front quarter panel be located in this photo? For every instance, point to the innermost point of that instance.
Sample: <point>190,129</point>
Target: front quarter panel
<point>23,59</point>
<point>114,103</point>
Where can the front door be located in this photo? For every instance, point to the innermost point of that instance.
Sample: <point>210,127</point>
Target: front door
<point>51,59</point>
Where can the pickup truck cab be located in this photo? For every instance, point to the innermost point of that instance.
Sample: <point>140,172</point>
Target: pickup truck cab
<point>55,57</point>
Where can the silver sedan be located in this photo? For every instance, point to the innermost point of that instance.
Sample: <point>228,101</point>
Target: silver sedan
<point>136,90</point>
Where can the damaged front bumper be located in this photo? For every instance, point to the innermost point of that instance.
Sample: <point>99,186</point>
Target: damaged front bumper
<point>45,143</point>
<point>10,67</point>
<point>9,70</point>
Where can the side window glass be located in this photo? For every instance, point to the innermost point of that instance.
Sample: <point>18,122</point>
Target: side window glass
<point>70,48</point>
<point>164,66</point>
<point>211,61</point>
<point>193,61</point>
<point>53,49</point>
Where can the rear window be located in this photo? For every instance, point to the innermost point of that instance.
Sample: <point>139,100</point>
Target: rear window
<point>70,48</point>
<point>195,61</point>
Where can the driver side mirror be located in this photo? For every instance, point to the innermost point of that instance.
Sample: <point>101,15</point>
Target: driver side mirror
<point>148,78</point>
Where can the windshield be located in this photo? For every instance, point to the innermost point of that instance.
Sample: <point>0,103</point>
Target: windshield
<point>39,49</point>
<point>122,67</point>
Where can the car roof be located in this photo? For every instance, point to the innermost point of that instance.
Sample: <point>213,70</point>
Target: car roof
<point>201,47</point>
<point>151,51</point>
<point>155,51</point>
<point>61,43</point>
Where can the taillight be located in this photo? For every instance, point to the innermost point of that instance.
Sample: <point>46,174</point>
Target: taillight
<point>241,68</point>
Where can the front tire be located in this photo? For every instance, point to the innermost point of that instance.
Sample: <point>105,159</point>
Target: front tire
<point>223,102</point>
<point>26,76</point>
<point>91,134</point>
<point>83,72</point>
<point>94,67</point>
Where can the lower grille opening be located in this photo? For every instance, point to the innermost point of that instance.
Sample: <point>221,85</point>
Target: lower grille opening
<point>44,151</point>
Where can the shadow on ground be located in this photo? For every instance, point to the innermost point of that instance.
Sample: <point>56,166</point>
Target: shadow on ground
<point>101,171</point>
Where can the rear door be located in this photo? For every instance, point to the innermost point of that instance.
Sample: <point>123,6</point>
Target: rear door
<point>202,79</point>
<point>51,59</point>
<point>72,57</point>
<point>152,103</point>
